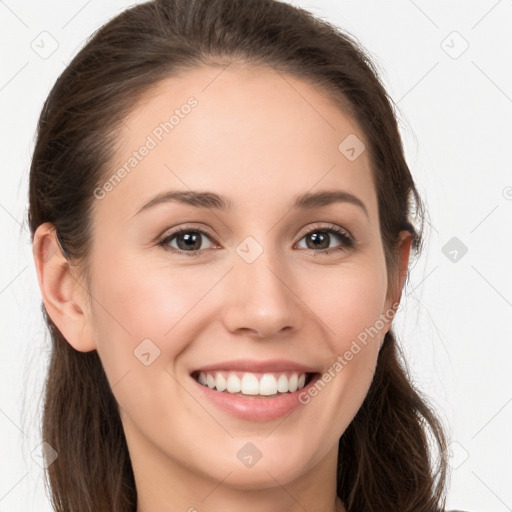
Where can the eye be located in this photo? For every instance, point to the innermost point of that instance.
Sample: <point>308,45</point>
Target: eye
<point>321,238</point>
<point>188,240</point>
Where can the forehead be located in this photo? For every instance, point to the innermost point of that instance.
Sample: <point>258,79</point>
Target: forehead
<point>242,131</point>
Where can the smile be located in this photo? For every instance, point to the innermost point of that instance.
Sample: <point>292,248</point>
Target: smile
<point>255,407</point>
<point>253,384</point>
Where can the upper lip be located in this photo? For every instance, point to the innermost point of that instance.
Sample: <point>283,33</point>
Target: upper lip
<point>257,366</point>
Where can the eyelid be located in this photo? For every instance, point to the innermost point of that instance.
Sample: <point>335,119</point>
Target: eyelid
<point>325,226</point>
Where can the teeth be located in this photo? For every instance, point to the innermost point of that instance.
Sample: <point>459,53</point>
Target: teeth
<point>249,384</point>
<point>220,382</point>
<point>210,381</point>
<point>293,383</point>
<point>233,384</point>
<point>282,384</point>
<point>268,384</point>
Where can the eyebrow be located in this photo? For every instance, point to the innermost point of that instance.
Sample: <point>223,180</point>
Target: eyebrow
<point>210,200</point>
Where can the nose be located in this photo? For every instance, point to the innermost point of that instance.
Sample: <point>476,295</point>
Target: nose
<point>260,299</point>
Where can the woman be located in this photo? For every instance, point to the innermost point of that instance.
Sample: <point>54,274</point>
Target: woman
<point>220,210</point>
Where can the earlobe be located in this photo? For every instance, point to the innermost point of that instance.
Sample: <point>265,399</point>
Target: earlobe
<point>63,295</point>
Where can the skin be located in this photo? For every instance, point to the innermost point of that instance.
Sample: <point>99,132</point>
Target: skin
<point>260,139</point>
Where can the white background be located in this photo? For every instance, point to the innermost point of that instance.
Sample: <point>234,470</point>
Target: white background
<point>454,321</point>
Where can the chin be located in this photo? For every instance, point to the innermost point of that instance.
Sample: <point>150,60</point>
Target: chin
<point>271,470</point>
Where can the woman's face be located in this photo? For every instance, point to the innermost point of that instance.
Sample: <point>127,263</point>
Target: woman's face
<point>258,287</point>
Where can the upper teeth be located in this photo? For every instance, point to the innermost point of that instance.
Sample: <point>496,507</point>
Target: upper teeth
<point>250,384</point>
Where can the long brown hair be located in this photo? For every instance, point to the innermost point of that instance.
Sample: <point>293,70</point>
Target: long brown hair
<point>393,454</point>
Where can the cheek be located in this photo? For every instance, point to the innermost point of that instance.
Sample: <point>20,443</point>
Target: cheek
<point>143,319</point>
<point>142,301</point>
<point>351,304</point>
<point>133,304</point>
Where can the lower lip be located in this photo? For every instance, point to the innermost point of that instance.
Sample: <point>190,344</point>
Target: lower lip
<point>256,409</point>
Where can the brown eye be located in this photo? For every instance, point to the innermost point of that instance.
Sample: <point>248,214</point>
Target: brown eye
<point>318,240</point>
<point>321,238</point>
<point>188,241</point>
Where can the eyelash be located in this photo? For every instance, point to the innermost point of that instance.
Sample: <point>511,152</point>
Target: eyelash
<point>348,241</point>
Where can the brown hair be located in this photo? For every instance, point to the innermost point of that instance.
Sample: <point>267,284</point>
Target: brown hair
<point>393,454</point>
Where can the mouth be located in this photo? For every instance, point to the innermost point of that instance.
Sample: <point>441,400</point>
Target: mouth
<point>256,390</point>
<point>254,384</point>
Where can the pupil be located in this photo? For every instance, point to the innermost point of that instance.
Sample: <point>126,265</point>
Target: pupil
<point>319,237</point>
<point>189,241</point>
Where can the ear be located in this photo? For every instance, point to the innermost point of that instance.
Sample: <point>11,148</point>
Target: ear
<point>395,288</point>
<point>64,296</point>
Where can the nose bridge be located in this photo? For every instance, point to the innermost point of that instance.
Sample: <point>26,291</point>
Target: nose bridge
<point>260,299</point>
